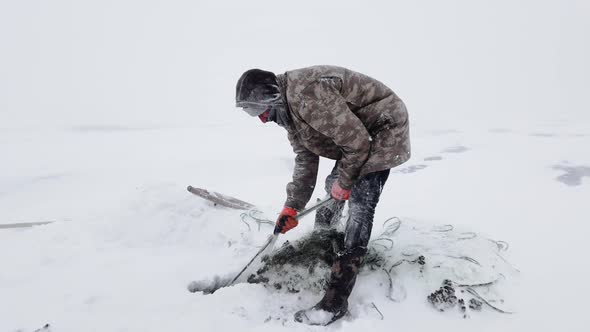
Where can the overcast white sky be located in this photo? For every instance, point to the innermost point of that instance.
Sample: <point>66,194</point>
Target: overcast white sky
<point>152,63</point>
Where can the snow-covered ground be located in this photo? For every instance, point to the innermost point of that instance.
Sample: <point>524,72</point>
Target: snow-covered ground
<point>109,111</point>
<point>128,238</point>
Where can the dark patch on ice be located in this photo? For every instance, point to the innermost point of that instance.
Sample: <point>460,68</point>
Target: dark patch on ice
<point>106,128</point>
<point>444,132</point>
<point>45,328</point>
<point>500,130</point>
<point>433,158</point>
<point>455,149</point>
<point>48,177</point>
<point>20,183</point>
<point>542,135</point>
<point>25,224</point>
<point>576,135</point>
<point>573,174</point>
<point>411,169</point>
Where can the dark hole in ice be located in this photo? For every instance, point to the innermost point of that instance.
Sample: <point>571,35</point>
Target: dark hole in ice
<point>573,174</point>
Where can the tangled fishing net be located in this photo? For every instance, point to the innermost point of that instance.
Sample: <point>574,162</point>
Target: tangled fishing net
<point>464,270</point>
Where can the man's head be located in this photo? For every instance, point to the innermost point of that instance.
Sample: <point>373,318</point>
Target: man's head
<point>257,92</point>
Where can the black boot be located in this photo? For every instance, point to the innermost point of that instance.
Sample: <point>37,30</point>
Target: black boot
<point>334,304</point>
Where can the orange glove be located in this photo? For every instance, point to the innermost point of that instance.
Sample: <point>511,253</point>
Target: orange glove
<point>286,220</point>
<point>339,193</point>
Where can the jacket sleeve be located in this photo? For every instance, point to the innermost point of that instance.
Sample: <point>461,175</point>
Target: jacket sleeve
<point>305,174</point>
<point>327,112</point>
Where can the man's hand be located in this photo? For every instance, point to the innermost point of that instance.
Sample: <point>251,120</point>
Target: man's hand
<point>286,220</point>
<point>339,193</point>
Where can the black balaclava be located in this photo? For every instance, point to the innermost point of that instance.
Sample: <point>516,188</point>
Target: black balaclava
<point>258,90</point>
<point>280,115</point>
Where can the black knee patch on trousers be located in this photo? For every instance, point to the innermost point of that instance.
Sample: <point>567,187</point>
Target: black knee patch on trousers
<point>363,201</point>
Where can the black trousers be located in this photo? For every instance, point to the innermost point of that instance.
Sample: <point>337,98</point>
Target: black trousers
<point>362,203</point>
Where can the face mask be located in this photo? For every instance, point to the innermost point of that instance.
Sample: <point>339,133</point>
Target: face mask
<point>255,110</point>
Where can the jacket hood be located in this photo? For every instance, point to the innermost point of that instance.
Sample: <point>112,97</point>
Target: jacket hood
<point>257,88</point>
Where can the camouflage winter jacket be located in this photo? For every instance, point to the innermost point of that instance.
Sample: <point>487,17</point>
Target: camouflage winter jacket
<point>342,115</point>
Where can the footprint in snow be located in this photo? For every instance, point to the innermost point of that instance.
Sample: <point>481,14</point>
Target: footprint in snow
<point>456,149</point>
<point>418,167</point>
<point>411,169</point>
